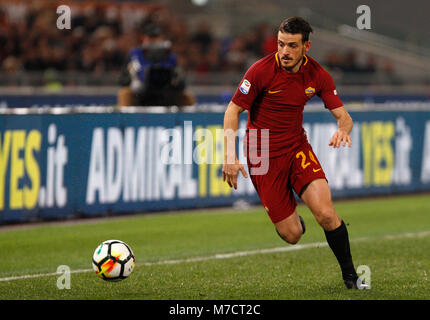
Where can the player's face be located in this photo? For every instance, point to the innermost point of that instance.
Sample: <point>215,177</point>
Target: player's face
<point>291,50</point>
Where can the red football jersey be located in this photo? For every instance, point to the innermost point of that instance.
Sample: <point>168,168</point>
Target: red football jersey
<point>275,100</point>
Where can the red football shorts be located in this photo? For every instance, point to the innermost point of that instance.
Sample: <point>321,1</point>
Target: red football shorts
<point>288,172</point>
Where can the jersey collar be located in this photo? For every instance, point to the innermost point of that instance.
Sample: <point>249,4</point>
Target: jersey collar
<point>277,60</point>
<point>306,60</point>
<point>303,64</point>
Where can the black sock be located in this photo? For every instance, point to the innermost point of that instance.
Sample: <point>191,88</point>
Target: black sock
<point>338,241</point>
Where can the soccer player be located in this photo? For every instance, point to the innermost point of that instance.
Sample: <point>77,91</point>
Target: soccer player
<point>275,90</point>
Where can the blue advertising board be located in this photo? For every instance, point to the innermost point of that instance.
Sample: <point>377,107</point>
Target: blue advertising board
<point>91,99</point>
<point>70,165</point>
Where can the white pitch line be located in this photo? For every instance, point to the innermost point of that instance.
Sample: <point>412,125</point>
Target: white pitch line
<point>238,254</point>
<point>39,275</point>
<point>231,255</point>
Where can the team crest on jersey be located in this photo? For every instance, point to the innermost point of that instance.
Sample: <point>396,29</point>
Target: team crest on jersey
<point>309,91</point>
<point>245,86</point>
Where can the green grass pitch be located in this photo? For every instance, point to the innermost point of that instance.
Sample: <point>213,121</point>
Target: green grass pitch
<point>178,255</point>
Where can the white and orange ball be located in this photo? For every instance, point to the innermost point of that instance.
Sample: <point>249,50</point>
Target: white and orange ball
<point>113,260</point>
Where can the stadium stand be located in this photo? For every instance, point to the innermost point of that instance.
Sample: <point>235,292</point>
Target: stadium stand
<point>33,52</point>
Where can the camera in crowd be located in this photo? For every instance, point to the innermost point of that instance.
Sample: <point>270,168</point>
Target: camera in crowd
<point>152,74</point>
<point>156,48</point>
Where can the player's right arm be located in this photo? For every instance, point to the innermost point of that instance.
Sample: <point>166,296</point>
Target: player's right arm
<point>242,100</point>
<point>231,166</point>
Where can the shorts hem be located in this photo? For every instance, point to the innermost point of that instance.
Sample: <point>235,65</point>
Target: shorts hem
<point>278,219</point>
<point>300,188</point>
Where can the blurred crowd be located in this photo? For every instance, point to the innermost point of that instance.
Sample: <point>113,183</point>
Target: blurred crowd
<point>102,34</point>
<point>360,69</point>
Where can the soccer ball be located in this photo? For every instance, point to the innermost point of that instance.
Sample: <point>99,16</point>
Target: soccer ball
<point>113,260</point>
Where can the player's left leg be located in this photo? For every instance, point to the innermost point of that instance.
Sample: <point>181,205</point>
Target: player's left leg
<point>278,198</point>
<point>317,197</point>
<point>291,228</point>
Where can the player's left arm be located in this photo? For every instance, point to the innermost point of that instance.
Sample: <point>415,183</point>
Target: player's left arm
<point>344,124</point>
<point>328,94</point>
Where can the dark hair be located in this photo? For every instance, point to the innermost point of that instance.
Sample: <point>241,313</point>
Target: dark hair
<point>296,25</point>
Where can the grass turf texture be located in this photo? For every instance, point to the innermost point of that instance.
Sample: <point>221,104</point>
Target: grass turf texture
<point>400,265</point>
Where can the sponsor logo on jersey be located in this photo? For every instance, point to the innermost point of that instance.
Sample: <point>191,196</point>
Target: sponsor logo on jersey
<point>245,86</point>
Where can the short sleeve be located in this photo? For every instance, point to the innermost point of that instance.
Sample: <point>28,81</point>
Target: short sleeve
<point>328,92</point>
<point>248,89</point>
